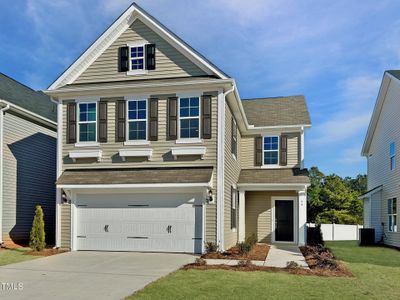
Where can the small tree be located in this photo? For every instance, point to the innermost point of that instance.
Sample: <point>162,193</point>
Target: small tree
<point>37,237</point>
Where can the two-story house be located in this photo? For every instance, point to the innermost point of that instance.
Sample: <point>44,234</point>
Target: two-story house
<point>27,160</point>
<point>381,202</point>
<point>158,152</point>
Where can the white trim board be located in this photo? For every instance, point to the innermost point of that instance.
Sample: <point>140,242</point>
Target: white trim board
<point>109,36</point>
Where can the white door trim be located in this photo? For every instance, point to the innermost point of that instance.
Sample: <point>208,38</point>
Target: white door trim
<point>295,218</point>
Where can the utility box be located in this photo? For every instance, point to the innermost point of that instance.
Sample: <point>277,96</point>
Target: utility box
<point>366,237</point>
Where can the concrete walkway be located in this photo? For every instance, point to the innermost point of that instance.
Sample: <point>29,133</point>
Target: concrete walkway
<point>278,257</point>
<point>87,275</point>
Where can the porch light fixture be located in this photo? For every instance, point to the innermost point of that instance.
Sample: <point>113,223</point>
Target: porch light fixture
<point>210,197</point>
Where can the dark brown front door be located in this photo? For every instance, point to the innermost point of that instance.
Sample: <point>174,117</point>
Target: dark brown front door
<point>284,221</point>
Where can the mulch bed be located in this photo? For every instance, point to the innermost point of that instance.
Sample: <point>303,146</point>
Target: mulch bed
<point>252,268</point>
<point>258,252</point>
<point>45,252</point>
<point>320,259</point>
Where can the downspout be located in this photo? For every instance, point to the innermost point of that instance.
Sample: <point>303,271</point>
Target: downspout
<point>59,171</point>
<point>221,167</point>
<point>3,107</point>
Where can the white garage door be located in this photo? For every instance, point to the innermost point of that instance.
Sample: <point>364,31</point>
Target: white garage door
<point>139,222</point>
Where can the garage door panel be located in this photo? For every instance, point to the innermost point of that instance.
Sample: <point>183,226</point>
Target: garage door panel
<point>172,224</point>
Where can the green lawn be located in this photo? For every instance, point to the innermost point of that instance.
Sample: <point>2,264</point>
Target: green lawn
<point>376,276</point>
<point>11,256</point>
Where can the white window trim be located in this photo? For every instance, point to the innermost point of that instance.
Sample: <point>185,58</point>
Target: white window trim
<point>392,214</point>
<point>86,143</point>
<point>264,166</point>
<point>188,140</point>
<point>234,205</point>
<point>392,157</point>
<point>139,71</point>
<point>136,142</point>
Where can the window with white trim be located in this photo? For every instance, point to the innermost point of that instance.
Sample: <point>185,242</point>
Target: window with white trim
<point>392,153</point>
<point>270,150</point>
<point>234,137</point>
<point>233,208</point>
<point>189,117</point>
<point>136,58</point>
<point>137,120</point>
<point>87,122</point>
<point>392,215</point>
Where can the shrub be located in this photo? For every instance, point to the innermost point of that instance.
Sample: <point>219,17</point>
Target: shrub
<point>37,236</point>
<point>244,248</point>
<point>245,263</point>
<point>314,235</point>
<point>200,262</point>
<point>211,247</point>
<point>252,239</point>
<point>292,265</point>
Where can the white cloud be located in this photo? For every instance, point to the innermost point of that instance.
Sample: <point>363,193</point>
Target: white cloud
<point>360,90</point>
<point>351,156</point>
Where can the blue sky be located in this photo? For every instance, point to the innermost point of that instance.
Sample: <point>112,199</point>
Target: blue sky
<point>333,52</point>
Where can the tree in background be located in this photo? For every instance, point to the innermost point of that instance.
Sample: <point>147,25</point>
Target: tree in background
<point>332,199</point>
<point>37,237</point>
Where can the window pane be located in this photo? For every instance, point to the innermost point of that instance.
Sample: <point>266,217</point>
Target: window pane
<point>190,128</point>
<point>184,102</point>
<point>392,149</point>
<point>132,105</point>
<point>394,206</point>
<point>390,223</point>
<point>270,157</point>
<point>194,101</point>
<point>137,64</point>
<point>194,111</point>
<point>87,132</point>
<point>142,114</point>
<point>142,104</point>
<point>82,107</point>
<point>137,130</point>
<point>82,117</point>
<point>184,112</point>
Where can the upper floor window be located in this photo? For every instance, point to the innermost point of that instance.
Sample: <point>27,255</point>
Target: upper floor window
<point>87,122</point>
<point>270,150</point>
<point>137,55</point>
<point>234,137</point>
<point>137,120</point>
<point>392,215</point>
<point>392,151</point>
<point>189,117</point>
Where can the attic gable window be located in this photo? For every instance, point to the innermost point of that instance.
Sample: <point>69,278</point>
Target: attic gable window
<point>136,58</point>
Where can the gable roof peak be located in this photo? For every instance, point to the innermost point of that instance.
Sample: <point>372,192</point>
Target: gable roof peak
<point>132,13</point>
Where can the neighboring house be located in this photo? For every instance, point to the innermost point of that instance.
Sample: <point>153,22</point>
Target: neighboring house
<point>381,148</point>
<point>157,152</point>
<point>27,160</point>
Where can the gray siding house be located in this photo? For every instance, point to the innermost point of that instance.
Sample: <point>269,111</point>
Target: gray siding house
<point>27,160</point>
<point>381,148</point>
<point>158,152</point>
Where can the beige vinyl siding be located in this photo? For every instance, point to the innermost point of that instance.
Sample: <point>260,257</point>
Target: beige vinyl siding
<point>170,62</point>
<point>258,212</point>
<point>29,175</point>
<point>248,152</point>
<point>65,226</point>
<point>161,152</point>
<point>379,173</point>
<point>232,172</point>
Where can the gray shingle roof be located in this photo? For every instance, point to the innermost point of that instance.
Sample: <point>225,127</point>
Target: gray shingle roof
<point>136,176</point>
<point>277,111</point>
<point>271,176</point>
<point>395,73</point>
<point>25,97</point>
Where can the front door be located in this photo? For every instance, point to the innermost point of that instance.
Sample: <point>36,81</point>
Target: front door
<point>284,221</point>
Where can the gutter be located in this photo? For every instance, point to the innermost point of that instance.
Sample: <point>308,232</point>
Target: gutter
<point>4,107</point>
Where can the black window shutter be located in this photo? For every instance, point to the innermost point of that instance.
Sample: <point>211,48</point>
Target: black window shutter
<point>120,121</point>
<point>153,119</point>
<point>234,137</point>
<point>71,123</point>
<point>151,56</point>
<point>258,151</point>
<point>233,208</point>
<point>172,128</point>
<point>123,59</point>
<point>206,116</point>
<point>283,154</point>
<point>102,122</point>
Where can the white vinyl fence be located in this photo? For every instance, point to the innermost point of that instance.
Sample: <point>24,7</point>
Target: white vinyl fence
<point>338,232</point>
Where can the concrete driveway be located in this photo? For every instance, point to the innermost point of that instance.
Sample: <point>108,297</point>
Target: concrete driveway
<point>87,275</point>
